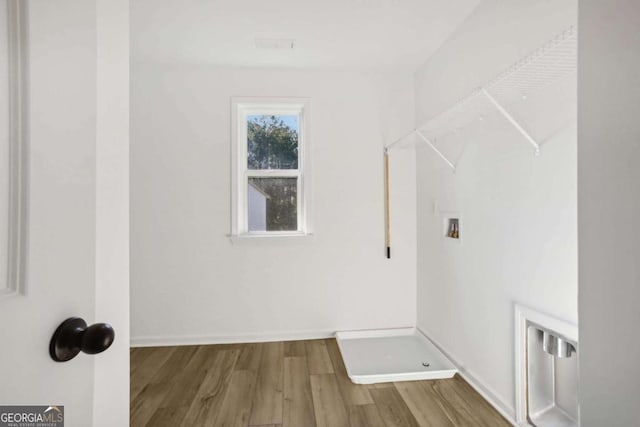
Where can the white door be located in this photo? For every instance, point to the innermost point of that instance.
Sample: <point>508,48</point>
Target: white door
<point>64,241</point>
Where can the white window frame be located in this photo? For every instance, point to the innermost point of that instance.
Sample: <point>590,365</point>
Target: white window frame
<point>241,108</point>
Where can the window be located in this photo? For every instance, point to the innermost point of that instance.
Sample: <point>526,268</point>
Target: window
<point>270,177</point>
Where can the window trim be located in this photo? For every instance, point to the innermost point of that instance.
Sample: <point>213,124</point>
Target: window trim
<point>241,107</point>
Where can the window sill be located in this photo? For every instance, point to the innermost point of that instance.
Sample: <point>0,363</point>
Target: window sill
<point>259,238</point>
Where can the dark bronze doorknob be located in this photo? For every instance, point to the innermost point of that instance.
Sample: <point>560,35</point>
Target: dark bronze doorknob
<point>73,336</point>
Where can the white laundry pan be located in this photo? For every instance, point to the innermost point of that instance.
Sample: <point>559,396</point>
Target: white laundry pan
<point>387,355</point>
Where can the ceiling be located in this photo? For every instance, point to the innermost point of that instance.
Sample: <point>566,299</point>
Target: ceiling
<point>327,33</point>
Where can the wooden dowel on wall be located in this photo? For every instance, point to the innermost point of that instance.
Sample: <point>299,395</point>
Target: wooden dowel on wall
<point>387,227</point>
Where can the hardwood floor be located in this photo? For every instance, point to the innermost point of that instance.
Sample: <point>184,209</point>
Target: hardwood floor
<point>287,384</point>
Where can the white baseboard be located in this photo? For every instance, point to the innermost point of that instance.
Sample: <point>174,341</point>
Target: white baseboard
<point>175,340</point>
<point>506,410</point>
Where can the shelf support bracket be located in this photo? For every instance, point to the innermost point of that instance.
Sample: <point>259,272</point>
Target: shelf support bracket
<point>426,140</point>
<point>511,120</point>
<point>433,147</point>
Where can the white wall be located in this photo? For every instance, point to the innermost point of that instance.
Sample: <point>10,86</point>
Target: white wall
<point>519,225</point>
<point>191,284</point>
<point>609,208</point>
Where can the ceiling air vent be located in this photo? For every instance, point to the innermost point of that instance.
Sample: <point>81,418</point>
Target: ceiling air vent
<point>285,44</point>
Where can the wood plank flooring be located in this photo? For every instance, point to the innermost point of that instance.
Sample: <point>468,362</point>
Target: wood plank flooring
<point>287,384</point>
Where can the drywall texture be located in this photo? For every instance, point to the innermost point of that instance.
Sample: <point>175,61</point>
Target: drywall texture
<point>190,283</point>
<point>609,207</point>
<point>518,212</point>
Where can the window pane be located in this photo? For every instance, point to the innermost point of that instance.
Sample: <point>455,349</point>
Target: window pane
<point>273,204</point>
<point>272,142</point>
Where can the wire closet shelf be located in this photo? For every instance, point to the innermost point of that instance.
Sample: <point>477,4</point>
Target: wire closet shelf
<point>551,62</point>
<point>548,64</point>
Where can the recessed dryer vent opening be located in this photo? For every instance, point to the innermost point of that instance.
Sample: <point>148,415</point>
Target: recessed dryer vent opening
<point>552,379</point>
<point>546,370</point>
